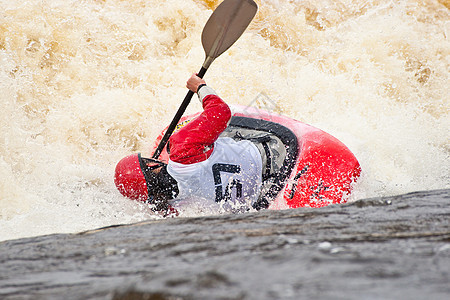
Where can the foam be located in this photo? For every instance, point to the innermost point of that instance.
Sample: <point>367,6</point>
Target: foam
<point>84,83</point>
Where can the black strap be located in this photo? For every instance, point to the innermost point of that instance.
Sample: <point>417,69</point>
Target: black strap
<point>267,174</point>
<point>263,140</point>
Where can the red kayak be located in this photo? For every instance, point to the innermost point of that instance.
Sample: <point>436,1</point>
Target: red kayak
<point>315,169</point>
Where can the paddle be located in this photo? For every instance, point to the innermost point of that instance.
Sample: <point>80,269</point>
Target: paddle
<point>226,24</point>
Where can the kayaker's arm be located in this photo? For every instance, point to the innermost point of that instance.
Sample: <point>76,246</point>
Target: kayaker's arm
<point>195,141</point>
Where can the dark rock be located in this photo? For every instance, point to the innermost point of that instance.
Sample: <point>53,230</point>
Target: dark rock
<point>380,248</point>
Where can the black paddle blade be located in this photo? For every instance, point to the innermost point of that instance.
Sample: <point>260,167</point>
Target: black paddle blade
<point>227,23</point>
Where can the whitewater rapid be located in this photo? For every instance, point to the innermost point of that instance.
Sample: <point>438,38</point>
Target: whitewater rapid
<point>84,83</point>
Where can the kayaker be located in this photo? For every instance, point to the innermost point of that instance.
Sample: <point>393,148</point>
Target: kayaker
<point>212,171</point>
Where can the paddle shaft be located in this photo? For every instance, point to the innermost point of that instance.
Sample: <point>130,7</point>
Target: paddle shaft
<point>176,118</point>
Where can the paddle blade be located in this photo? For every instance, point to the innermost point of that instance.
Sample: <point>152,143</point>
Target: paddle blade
<point>227,23</point>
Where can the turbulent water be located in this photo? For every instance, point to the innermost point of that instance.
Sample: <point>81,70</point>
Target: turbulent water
<point>84,83</point>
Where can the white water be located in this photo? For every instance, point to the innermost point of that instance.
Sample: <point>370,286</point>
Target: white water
<point>84,83</point>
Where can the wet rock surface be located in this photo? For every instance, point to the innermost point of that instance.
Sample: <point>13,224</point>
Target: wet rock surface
<point>381,248</point>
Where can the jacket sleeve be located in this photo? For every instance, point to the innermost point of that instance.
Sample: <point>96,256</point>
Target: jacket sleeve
<point>195,141</point>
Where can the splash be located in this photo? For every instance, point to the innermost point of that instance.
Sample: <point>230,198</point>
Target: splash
<point>84,83</point>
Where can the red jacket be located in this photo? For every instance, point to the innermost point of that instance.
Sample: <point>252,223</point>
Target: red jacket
<point>195,141</point>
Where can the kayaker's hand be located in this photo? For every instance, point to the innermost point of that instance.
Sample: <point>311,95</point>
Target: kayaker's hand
<point>194,82</point>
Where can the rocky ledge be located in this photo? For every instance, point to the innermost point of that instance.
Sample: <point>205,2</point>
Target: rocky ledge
<point>380,248</point>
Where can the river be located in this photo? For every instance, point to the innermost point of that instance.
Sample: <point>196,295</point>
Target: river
<point>84,83</point>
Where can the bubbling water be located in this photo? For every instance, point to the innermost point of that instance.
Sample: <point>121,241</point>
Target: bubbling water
<point>84,83</point>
